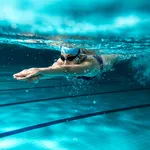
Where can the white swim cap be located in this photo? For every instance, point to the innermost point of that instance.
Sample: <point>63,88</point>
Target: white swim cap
<point>72,51</point>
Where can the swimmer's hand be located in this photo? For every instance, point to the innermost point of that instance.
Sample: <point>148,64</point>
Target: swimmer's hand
<point>31,75</point>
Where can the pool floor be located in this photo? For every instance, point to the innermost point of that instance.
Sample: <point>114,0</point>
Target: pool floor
<point>58,114</point>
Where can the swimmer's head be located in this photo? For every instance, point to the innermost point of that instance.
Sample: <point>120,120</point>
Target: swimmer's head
<point>70,51</point>
<point>70,55</point>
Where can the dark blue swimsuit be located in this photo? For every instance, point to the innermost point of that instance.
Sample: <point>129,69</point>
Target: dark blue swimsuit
<point>99,60</point>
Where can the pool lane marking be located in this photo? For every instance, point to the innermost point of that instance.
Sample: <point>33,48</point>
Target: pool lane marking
<point>72,96</point>
<point>37,126</point>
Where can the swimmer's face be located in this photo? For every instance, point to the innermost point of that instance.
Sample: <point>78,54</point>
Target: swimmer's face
<point>68,59</point>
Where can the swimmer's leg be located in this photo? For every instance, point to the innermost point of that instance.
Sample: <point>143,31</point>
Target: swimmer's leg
<point>124,58</point>
<point>110,60</point>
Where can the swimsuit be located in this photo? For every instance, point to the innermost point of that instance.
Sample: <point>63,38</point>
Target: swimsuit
<point>99,60</point>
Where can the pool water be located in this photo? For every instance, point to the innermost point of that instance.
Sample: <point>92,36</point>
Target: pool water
<point>110,112</point>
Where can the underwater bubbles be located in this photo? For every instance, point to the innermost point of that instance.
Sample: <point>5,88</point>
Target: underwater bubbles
<point>142,68</point>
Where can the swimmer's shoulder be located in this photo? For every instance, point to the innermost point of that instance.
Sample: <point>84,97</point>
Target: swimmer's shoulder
<point>58,62</point>
<point>90,58</point>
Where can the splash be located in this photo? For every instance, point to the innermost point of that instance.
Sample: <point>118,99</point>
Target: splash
<point>142,68</point>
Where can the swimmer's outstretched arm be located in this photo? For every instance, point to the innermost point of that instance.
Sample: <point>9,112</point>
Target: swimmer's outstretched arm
<point>56,70</point>
<point>67,70</point>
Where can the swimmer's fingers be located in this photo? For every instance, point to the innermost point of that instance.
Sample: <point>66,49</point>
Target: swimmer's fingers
<point>27,73</point>
<point>21,79</point>
<point>19,76</point>
<point>29,77</point>
<point>24,73</point>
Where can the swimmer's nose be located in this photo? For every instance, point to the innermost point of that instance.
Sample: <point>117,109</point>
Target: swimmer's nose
<point>65,62</point>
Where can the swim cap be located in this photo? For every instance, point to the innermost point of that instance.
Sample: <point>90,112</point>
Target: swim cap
<point>72,51</point>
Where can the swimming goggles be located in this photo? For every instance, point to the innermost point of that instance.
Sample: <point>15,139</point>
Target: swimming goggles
<point>69,58</point>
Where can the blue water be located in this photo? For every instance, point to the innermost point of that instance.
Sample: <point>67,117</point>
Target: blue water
<point>76,17</point>
<point>107,113</point>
